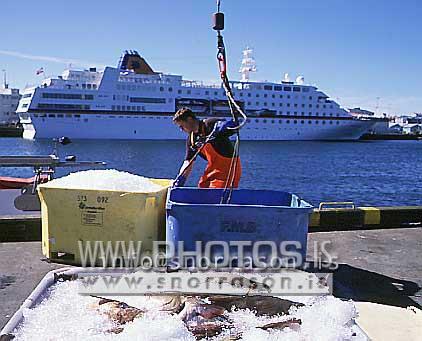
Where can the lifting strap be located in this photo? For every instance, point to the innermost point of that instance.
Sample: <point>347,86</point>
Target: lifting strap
<point>235,109</point>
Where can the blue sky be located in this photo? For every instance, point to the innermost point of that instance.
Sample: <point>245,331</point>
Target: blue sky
<point>356,51</point>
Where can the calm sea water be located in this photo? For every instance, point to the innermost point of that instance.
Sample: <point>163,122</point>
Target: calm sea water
<point>368,173</point>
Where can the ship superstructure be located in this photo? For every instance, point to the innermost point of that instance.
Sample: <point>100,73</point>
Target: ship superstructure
<point>133,101</point>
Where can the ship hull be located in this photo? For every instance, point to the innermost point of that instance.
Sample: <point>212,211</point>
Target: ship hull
<point>161,127</point>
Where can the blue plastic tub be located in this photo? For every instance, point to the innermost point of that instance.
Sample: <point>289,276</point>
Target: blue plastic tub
<point>261,220</point>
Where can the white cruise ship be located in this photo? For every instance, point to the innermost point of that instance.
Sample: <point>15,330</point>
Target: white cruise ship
<point>134,102</point>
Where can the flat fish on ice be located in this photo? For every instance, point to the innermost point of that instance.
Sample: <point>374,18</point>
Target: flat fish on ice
<point>205,316</point>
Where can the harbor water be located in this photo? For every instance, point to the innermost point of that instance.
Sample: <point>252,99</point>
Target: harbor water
<point>374,173</point>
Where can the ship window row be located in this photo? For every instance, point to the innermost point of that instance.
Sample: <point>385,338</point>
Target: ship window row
<point>58,115</point>
<point>285,88</point>
<point>292,121</point>
<point>84,86</point>
<point>147,100</point>
<point>131,87</point>
<point>295,105</point>
<point>27,95</point>
<point>66,96</point>
<point>216,93</point>
<point>127,80</point>
<point>63,106</point>
<point>207,92</point>
<point>128,108</point>
<point>88,86</point>
<point>273,96</point>
<point>140,99</point>
<point>242,94</point>
<point>295,113</point>
<point>288,97</point>
<point>263,121</point>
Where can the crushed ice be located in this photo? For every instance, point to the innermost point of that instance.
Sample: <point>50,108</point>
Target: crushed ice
<point>105,179</point>
<point>66,315</point>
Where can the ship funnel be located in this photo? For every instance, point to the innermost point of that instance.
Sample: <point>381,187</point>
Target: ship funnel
<point>286,78</point>
<point>133,61</point>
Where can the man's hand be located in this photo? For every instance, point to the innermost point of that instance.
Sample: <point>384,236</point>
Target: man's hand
<point>184,172</point>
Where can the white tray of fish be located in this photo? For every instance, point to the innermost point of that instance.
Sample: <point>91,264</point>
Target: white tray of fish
<point>57,311</point>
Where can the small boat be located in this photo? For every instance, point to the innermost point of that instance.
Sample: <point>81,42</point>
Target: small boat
<point>7,182</point>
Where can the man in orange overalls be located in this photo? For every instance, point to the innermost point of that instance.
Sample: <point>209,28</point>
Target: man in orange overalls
<point>218,151</point>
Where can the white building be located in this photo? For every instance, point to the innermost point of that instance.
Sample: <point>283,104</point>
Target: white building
<point>9,100</point>
<point>412,129</point>
<point>396,129</point>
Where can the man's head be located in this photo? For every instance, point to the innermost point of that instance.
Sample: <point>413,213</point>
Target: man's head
<point>186,120</point>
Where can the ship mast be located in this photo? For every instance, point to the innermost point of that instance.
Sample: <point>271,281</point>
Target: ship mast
<point>5,85</point>
<point>248,64</point>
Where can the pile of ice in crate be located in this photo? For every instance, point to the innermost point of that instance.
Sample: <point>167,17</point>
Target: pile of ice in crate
<point>66,315</point>
<point>107,179</point>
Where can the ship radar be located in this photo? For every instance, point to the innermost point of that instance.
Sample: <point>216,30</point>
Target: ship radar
<point>300,80</point>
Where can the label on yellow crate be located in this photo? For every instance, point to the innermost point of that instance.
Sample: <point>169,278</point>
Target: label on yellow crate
<point>92,217</point>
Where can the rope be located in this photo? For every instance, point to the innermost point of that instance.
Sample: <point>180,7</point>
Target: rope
<point>234,108</point>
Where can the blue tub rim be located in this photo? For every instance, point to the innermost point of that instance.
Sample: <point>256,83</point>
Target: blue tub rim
<point>304,205</point>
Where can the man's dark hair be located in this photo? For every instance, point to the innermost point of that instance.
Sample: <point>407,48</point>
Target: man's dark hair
<point>183,114</point>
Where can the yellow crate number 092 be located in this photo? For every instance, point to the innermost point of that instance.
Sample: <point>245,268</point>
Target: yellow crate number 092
<point>102,200</point>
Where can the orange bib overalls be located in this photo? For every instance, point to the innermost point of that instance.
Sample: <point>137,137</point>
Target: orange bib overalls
<point>218,169</point>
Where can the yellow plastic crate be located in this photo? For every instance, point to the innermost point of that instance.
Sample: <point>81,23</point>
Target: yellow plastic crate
<point>71,217</point>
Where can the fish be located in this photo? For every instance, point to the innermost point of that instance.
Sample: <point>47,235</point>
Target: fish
<point>203,328</point>
<point>117,311</point>
<point>293,323</point>
<point>260,304</point>
<point>204,316</point>
<point>170,304</point>
<point>195,306</point>
<point>202,319</point>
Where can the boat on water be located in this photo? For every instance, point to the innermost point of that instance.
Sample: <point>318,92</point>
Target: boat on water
<point>132,101</point>
<point>7,182</point>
